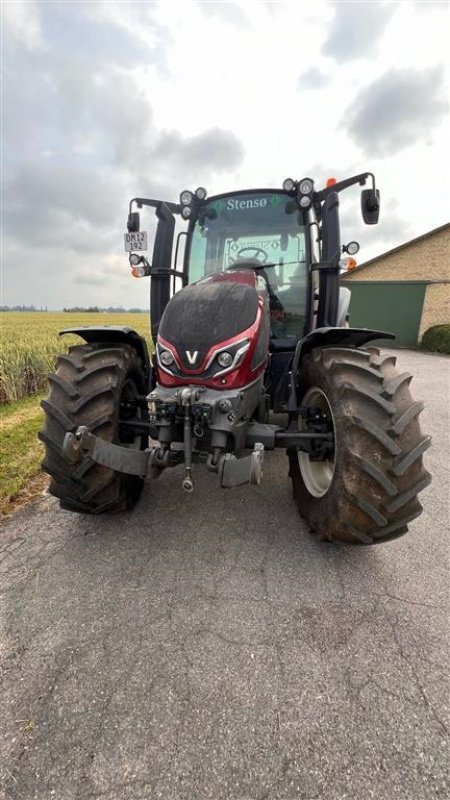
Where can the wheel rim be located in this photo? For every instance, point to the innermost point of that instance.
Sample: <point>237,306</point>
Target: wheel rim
<point>317,475</point>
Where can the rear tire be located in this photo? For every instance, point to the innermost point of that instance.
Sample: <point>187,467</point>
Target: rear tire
<point>90,387</point>
<point>367,492</point>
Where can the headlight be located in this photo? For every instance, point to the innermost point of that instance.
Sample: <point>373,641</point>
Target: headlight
<point>305,201</point>
<point>306,186</point>
<point>135,259</point>
<point>288,185</point>
<point>352,248</point>
<point>186,212</point>
<point>225,359</point>
<point>186,197</point>
<point>166,357</point>
<point>200,193</point>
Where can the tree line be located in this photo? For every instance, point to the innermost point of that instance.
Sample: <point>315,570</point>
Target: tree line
<point>23,308</point>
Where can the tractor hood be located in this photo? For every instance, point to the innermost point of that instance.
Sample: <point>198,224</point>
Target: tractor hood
<point>208,312</point>
<point>222,312</point>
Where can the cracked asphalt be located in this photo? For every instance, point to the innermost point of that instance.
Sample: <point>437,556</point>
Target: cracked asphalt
<point>206,646</point>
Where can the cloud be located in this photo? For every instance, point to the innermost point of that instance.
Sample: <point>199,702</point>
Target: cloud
<point>426,6</point>
<point>21,24</point>
<point>40,197</point>
<point>226,11</point>
<point>313,78</point>
<point>214,149</point>
<point>104,101</point>
<point>356,29</point>
<point>91,143</point>
<point>321,171</point>
<point>392,230</point>
<point>397,110</point>
<point>392,226</point>
<point>110,32</point>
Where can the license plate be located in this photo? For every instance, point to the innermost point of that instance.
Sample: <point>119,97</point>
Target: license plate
<point>135,241</point>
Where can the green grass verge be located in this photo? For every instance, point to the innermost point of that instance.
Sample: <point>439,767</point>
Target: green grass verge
<point>21,452</point>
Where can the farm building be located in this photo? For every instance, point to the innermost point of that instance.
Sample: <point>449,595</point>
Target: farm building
<point>406,290</point>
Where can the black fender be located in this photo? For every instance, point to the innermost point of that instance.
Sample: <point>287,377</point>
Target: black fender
<point>119,334</point>
<point>326,337</point>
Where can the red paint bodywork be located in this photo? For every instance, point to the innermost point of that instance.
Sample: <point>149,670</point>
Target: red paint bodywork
<point>244,374</point>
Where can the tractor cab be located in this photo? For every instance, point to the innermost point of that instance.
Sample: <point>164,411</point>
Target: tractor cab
<point>289,237</point>
<point>261,231</point>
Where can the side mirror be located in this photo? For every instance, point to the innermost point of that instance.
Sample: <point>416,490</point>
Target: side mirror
<point>133,223</point>
<point>370,206</point>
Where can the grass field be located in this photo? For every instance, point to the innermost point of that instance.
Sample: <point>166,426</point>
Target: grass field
<point>21,452</point>
<point>29,346</point>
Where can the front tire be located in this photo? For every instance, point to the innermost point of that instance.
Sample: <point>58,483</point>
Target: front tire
<point>367,490</point>
<point>94,385</point>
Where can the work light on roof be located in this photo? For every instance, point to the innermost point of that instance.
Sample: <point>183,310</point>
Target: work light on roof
<point>306,186</point>
<point>288,185</point>
<point>186,197</point>
<point>305,201</point>
<point>186,212</point>
<point>200,193</point>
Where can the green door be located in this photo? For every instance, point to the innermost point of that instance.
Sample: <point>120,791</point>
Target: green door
<point>391,306</point>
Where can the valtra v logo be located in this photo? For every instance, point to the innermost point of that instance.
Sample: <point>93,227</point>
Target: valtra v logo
<point>192,357</point>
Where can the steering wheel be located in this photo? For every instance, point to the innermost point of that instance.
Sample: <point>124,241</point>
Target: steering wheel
<point>255,251</point>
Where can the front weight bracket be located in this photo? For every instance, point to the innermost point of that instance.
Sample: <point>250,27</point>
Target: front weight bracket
<point>120,459</point>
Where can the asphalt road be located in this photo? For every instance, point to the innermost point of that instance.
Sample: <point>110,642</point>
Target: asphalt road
<point>206,646</point>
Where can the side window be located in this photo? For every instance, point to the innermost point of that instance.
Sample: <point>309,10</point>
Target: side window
<point>291,262</point>
<point>197,257</point>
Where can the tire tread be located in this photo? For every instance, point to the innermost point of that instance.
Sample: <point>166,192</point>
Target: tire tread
<point>85,389</point>
<point>379,473</point>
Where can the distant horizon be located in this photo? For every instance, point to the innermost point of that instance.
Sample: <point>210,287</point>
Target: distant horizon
<point>23,308</point>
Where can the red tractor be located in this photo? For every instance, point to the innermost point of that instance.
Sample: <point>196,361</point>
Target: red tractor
<point>253,352</point>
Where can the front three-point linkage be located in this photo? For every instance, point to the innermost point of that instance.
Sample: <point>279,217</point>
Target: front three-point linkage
<point>186,395</point>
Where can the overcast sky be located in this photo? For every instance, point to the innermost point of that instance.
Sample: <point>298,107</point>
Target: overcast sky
<point>103,101</point>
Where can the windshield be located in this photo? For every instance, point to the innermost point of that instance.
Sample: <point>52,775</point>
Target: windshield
<point>263,227</point>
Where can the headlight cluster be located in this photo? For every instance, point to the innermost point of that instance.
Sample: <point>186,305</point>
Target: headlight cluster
<point>305,191</point>
<point>188,199</point>
<point>219,362</point>
<point>303,188</point>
